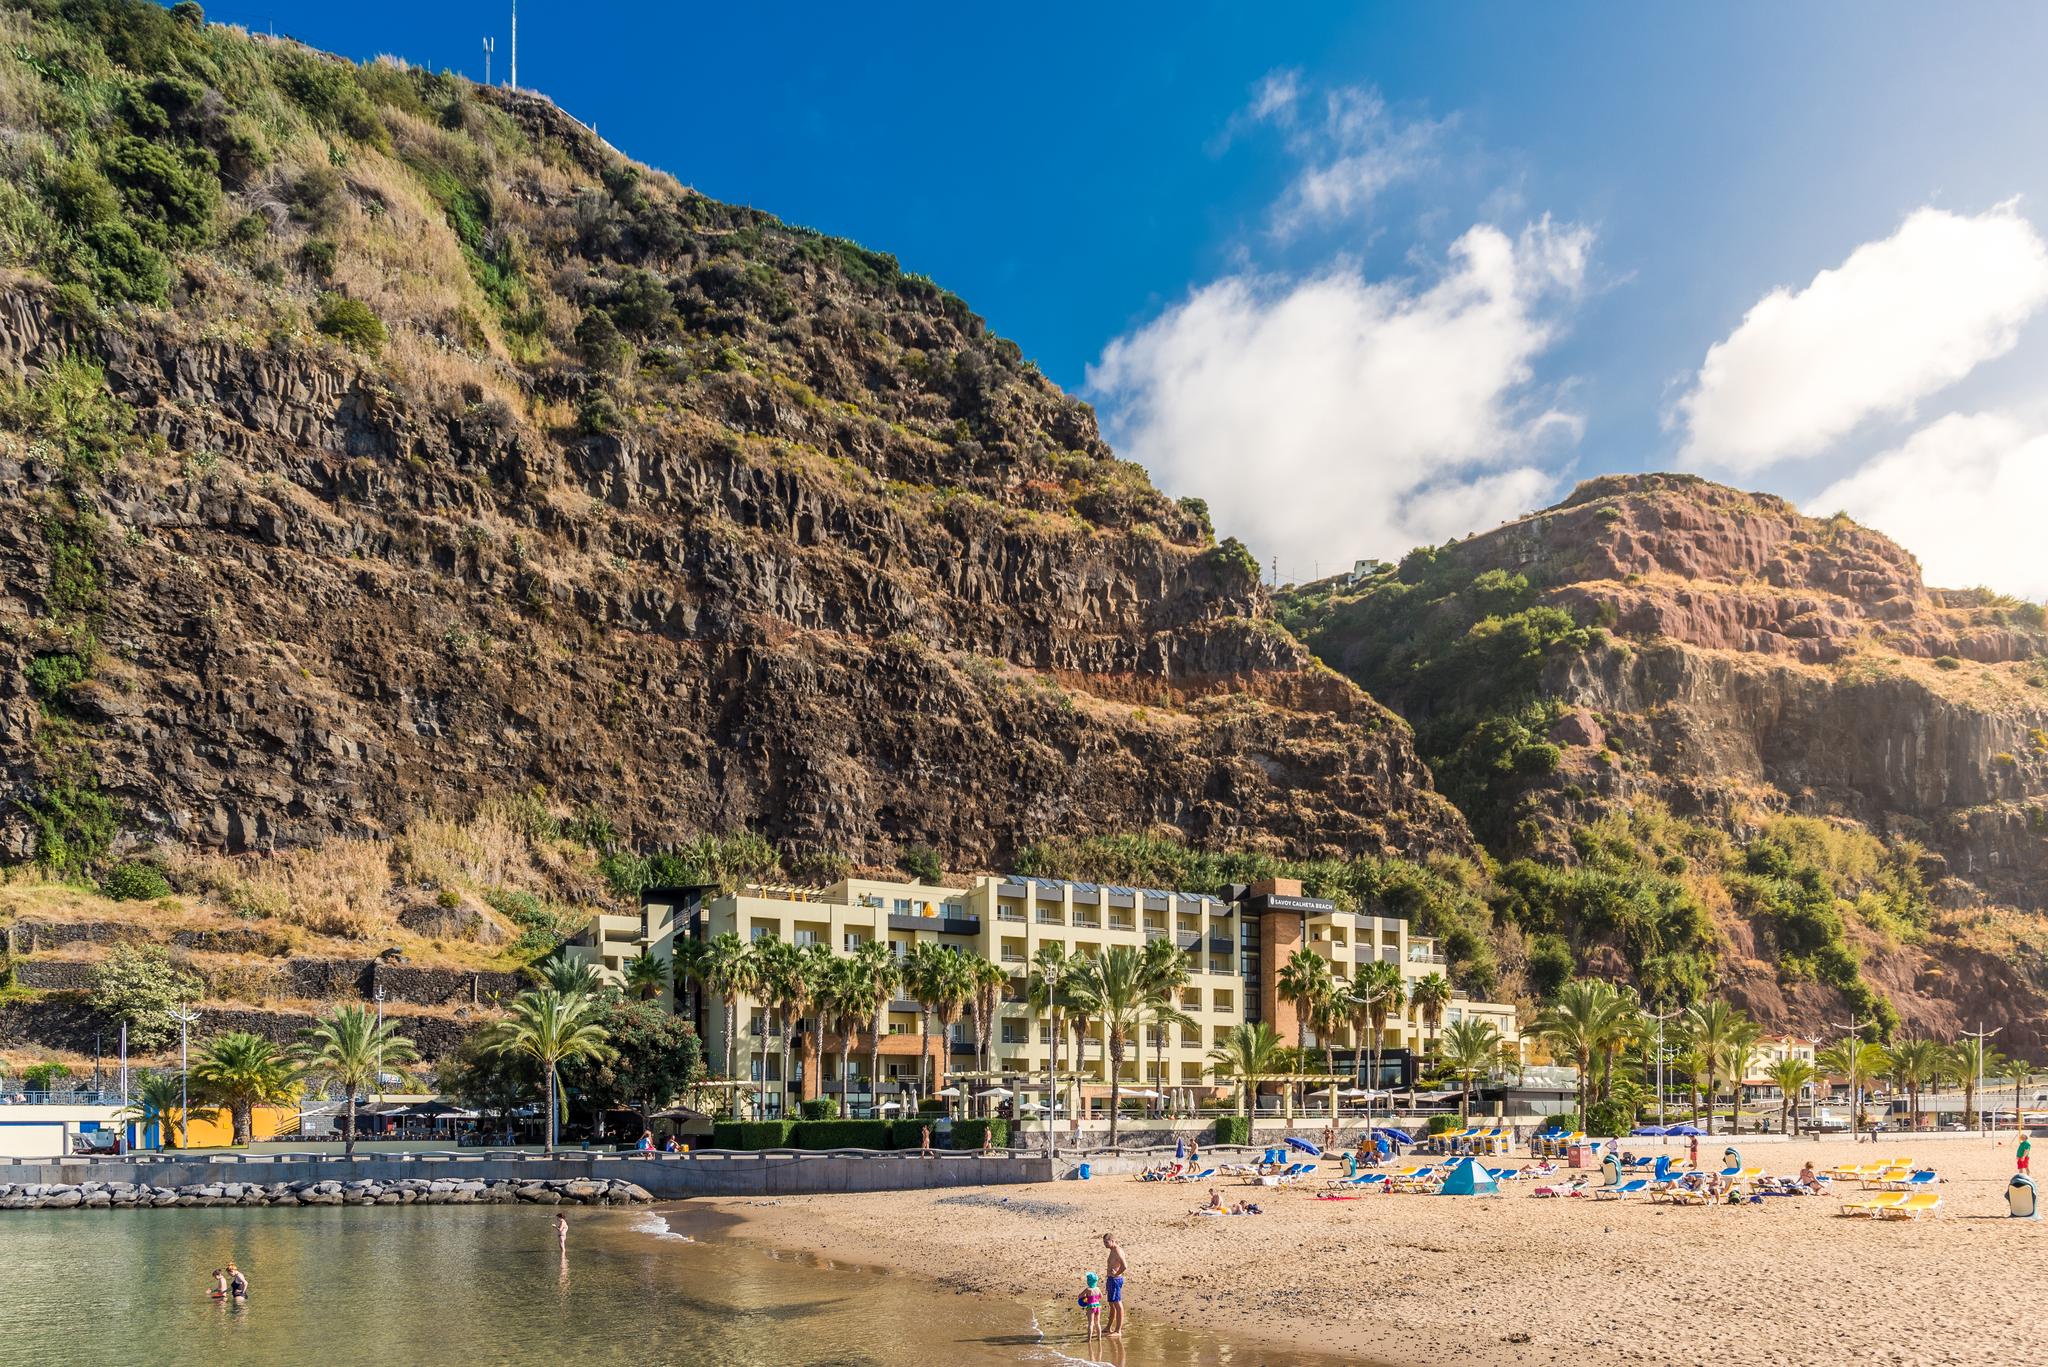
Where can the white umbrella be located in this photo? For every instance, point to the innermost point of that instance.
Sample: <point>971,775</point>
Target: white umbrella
<point>892,1106</point>
<point>947,1091</point>
<point>1354,1094</point>
<point>999,1093</point>
<point>1032,1106</point>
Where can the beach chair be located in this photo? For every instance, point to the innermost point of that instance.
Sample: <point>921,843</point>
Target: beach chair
<point>1871,1205</point>
<point>1850,1172</point>
<point>1635,1186</point>
<point>1201,1176</point>
<point>1422,1179</point>
<point>1882,1180</point>
<point>1923,1178</point>
<point>1749,1174</point>
<point>1914,1206</point>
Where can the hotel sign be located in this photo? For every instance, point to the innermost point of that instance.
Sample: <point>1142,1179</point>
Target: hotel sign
<point>1274,901</point>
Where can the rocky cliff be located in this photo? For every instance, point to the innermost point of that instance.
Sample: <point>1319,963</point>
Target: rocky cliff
<point>1661,639</point>
<point>446,454</point>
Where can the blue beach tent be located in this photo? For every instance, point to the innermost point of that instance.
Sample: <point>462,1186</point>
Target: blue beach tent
<point>1468,1179</point>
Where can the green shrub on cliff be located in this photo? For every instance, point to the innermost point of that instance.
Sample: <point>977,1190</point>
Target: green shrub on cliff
<point>134,881</point>
<point>350,322</point>
<point>141,987</point>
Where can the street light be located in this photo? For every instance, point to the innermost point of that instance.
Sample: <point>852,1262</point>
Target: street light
<point>1660,1018</point>
<point>187,1018</point>
<point>1853,1030</point>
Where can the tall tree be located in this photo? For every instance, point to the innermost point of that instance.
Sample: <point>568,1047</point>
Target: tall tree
<point>1119,994</point>
<point>157,1100</point>
<point>1857,1061</point>
<point>1578,1024</point>
<point>349,1048</point>
<point>646,976</point>
<point>1972,1059</point>
<point>1738,1051</point>
<point>847,1002</point>
<point>880,976</point>
<point>924,978</point>
<point>1789,1076</point>
<point>552,1029</point>
<point>1381,990</point>
<point>730,971</point>
<point>563,974</point>
<point>779,984</point>
<point>1251,1050</point>
<point>1305,981</point>
<point>1471,1048</point>
<point>1918,1063</point>
<point>1167,971</point>
<point>1710,1027</point>
<point>986,980</point>
<point>1431,994</point>
<point>239,1072</point>
<point>1045,992</point>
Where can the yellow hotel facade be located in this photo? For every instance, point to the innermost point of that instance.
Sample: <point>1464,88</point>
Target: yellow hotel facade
<point>1234,947</point>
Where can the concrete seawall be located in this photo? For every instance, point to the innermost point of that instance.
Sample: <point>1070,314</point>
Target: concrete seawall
<point>666,1176</point>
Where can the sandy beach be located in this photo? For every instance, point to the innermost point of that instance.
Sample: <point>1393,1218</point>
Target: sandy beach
<point>1514,1279</point>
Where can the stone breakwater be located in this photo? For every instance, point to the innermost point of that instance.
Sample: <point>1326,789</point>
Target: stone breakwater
<point>594,1191</point>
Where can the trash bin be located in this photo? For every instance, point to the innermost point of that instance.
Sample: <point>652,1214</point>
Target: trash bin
<point>1575,1156</point>
<point>1083,1173</point>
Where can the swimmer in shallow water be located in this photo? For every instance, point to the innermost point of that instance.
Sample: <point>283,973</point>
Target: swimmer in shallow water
<point>220,1284</point>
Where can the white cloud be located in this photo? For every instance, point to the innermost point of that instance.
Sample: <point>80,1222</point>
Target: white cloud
<point>1965,495</point>
<point>1351,147</point>
<point>1336,416</point>
<point>1899,320</point>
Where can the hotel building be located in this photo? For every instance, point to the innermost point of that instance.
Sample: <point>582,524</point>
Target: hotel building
<point>1235,944</point>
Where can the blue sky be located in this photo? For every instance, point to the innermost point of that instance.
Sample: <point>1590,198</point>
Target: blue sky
<point>1365,277</point>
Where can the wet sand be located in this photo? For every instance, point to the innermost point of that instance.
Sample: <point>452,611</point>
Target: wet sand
<point>1415,1279</point>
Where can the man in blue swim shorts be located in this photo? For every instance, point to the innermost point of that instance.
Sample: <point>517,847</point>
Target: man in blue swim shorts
<point>1115,1280</point>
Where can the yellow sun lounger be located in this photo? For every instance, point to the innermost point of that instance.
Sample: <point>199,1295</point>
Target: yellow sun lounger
<point>1886,1176</point>
<point>1874,1205</point>
<point>1913,1207</point>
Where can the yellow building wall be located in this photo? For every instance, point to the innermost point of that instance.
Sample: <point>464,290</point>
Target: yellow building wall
<point>219,1131</point>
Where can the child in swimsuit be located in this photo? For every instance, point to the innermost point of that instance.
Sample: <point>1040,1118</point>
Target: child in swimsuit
<point>220,1285</point>
<point>1091,1301</point>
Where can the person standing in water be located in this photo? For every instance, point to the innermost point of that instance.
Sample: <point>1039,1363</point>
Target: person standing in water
<point>238,1283</point>
<point>1115,1280</point>
<point>562,1231</point>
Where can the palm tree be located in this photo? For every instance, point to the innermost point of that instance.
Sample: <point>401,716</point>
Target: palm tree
<point>1431,994</point>
<point>953,989</point>
<point>157,1102</point>
<point>730,969</point>
<point>986,980</point>
<point>1971,1058</point>
<point>879,976</point>
<point>1377,991</point>
<point>845,998</point>
<point>1579,1023</point>
<point>1304,980</point>
<point>1162,1015</point>
<point>779,984</point>
<point>1252,1050</point>
<point>646,975</point>
<point>240,1072</point>
<point>1710,1027</point>
<point>1045,992</point>
<point>1167,970</point>
<point>1693,1064</point>
<point>1471,1047</point>
<point>1789,1076</point>
<point>563,974</point>
<point>688,955</point>
<point>1119,994</point>
<point>924,973</point>
<point>1917,1063</point>
<point>349,1046</point>
<point>552,1029</point>
<point>1738,1051</point>
<point>1856,1060</point>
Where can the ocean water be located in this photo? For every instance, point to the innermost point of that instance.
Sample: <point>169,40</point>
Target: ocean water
<point>342,1286</point>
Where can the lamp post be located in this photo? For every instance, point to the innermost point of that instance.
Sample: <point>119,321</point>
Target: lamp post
<point>1980,1034</point>
<point>1853,1030</point>
<point>1660,1018</point>
<point>187,1017</point>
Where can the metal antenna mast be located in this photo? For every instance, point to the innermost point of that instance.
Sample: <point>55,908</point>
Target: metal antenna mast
<point>490,46</point>
<point>515,45</point>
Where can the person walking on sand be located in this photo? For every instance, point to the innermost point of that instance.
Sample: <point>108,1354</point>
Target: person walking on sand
<point>562,1231</point>
<point>1116,1269</point>
<point>1692,1152</point>
<point>988,1141</point>
<point>924,1141</point>
<point>2024,1154</point>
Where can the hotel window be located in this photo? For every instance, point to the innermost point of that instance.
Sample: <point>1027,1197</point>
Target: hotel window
<point>853,941</point>
<point>902,907</point>
<point>1225,1000</point>
<point>806,937</point>
<point>899,1027</point>
<point>762,932</point>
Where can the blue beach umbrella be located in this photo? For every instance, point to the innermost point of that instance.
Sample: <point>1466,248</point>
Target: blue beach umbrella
<point>1684,1131</point>
<point>1398,1136</point>
<point>1649,1131</point>
<point>1303,1145</point>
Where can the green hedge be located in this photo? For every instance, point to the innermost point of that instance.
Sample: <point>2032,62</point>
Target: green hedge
<point>967,1133</point>
<point>1233,1129</point>
<point>751,1134</point>
<point>823,1108</point>
<point>846,1134</point>
<point>1439,1124</point>
<point>1568,1121</point>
